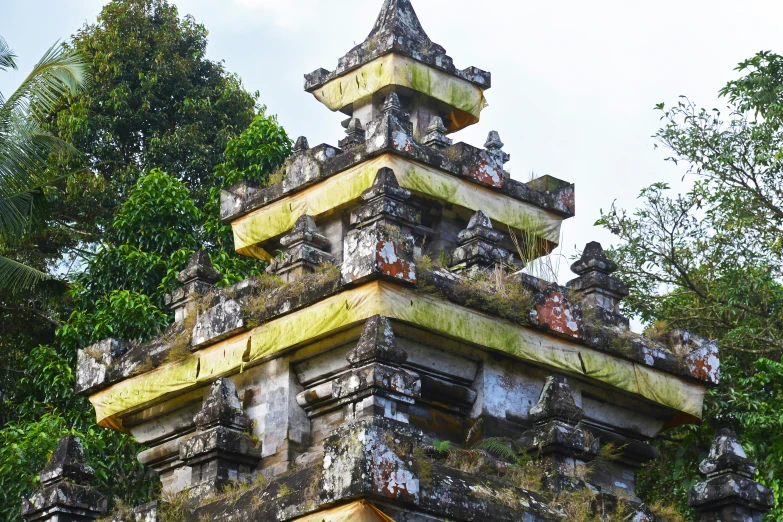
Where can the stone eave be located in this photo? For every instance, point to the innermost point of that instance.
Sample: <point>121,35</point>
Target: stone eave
<point>276,218</point>
<point>318,78</point>
<point>350,307</point>
<point>464,99</point>
<point>472,74</point>
<point>460,160</point>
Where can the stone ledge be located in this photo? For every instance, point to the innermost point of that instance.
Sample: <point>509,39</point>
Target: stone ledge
<point>326,315</point>
<point>461,160</point>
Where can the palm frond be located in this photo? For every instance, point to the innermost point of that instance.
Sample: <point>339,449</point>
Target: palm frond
<point>24,155</point>
<point>7,56</point>
<point>60,71</point>
<point>16,277</point>
<point>17,215</point>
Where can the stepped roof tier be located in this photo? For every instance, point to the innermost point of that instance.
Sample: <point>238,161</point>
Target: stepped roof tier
<point>398,308</point>
<point>398,54</point>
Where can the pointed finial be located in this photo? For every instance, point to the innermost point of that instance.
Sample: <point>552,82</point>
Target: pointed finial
<point>436,134</point>
<point>301,145</point>
<point>200,269</point>
<point>729,491</point>
<point>594,260</point>
<point>480,226</point>
<point>727,456</point>
<point>67,463</point>
<point>494,148</point>
<point>386,183</point>
<point>392,103</point>
<point>355,129</point>
<point>221,407</point>
<point>480,219</point>
<point>355,133</point>
<point>393,106</point>
<point>397,17</point>
<point>305,230</point>
<point>377,342</point>
<point>595,283</point>
<point>556,403</point>
<point>493,141</point>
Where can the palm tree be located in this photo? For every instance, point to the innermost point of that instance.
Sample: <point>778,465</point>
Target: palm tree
<point>25,148</point>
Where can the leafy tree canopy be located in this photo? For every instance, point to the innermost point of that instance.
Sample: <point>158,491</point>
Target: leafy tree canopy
<point>162,130</point>
<point>710,261</point>
<point>154,101</point>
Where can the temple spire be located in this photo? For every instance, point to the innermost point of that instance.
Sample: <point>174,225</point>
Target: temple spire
<point>398,17</point>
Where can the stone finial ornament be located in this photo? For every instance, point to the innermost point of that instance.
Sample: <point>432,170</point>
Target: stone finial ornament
<point>198,279</point>
<point>221,407</point>
<point>200,269</point>
<point>377,343</point>
<point>221,451</point>
<point>355,134</point>
<point>392,106</point>
<point>494,148</point>
<point>398,18</point>
<point>306,250</point>
<point>386,201</point>
<point>376,385</point>
<point>436,135</point>
<point>67,463</point>
<point>301,145</point>
<point>480,226</point>
<point>558,436</point>
<point>729,493</point>
<point>383,244</point>
<point>66,495</point>
<point>478,244</point>
<point>595,283</point>
<point>556,403</point>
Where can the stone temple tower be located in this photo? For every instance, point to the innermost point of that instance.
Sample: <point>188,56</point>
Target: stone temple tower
<point>397,361</point>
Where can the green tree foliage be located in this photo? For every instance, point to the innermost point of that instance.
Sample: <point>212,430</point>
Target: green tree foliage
<point>119,294</point>
<point>163,130</point>
<point>154,101</point>
<point>710,261</point>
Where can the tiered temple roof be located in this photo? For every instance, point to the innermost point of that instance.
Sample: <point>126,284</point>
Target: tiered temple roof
<point>397,331</point>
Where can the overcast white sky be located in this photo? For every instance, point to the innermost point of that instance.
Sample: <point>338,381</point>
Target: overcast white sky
<point>575,82</point>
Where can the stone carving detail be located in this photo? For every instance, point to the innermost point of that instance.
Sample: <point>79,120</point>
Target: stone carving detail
<point>221,451</point>
<point>398,29</point>
<point>383,245</point>
<point>301,145</point>
<point>355,134</point>
<point>729,493</point>
<point>306,249</point>
<point>66,495</point>
<point>436,135</point>
<point>558,436</point>
<point>478,245</point>
<point>600,291</point>
<point>375,385</point>
<point>495,149</point>
<point>198,279</point>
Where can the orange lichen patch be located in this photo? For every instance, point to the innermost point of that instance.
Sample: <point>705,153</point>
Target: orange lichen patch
<point>390,262</point>
<point>554,311</point>
<point>487,172</point>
